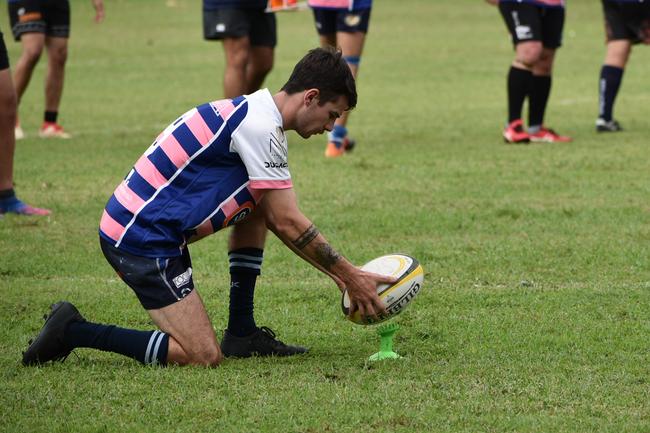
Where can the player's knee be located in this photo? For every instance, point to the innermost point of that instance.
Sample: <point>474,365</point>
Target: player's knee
<point>263,68</point>
<point>237,58</point>
<point>31,54</point>
<point>59,56</point>
<point>529,55</point>
<point>8,104</point>
<point>208,356</point>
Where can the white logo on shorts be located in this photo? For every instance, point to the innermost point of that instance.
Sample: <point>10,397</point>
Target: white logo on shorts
<point>523,32</point>
<point>221,27</point>
<point>21,11</point>
<point>183,278</point>
<point>352,20</point>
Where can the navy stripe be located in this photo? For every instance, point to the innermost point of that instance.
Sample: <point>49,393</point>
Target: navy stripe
<point>118,212</point>
<point>238,100</point>
<point>243,196</point>
<point>210,118</point>
<point>237,117</point>
<point>162,162</point>
<point>217,220</point>
<point>186,139</point>
<point>140,186</point>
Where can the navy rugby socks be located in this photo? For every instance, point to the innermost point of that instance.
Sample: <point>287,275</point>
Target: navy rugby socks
<point>610,81</point>
<point>245,266</point>
<point>147,347</point>
<point>50,116</point>
<point>518,87</point>
<point>540,89</point>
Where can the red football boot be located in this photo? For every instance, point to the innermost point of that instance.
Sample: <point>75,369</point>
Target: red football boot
<point>547,135</point>
<point>515,133</point>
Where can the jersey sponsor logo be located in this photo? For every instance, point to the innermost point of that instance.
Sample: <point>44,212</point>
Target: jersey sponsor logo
<point>277,145</point>
<point>183,278</point>
<point>271,164</point>
<point>240,214</point>
<point>277,150</point>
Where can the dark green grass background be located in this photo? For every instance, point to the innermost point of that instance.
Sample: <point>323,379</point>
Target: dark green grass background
<point>535,312</point>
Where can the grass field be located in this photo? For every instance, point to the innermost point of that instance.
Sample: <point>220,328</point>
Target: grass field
<point>535,314</point>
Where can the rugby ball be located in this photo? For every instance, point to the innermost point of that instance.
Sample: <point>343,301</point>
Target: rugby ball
<point>397,296</point>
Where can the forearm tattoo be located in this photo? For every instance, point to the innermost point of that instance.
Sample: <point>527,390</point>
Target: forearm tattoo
<point>306,237</point>
<point>326,256</point>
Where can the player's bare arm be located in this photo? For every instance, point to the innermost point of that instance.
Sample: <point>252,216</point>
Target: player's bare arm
<point>285,219</point>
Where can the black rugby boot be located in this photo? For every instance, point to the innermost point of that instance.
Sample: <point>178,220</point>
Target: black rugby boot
<point>260,343</point>
<point>48,344</point>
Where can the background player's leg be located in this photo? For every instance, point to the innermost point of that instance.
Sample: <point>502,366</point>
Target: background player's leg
<point>611,76</point>
<point>259,65</point>
<point>8,200</point>
<point>32,44</point>
<point>7,122</point>
<point>237,53</point>
<point>518,85</point>
<point>540,89</point>
<point>351,45</point>
<point>57,52</point>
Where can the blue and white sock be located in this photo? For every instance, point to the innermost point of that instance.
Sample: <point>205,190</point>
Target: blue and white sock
<point>147,347</point>
<point>245,266</point>
<point>337,135</point>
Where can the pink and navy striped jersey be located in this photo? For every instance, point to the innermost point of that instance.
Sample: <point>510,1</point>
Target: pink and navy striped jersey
<point>207,170</point>
<point>543,3</point>
<point>341,4</point>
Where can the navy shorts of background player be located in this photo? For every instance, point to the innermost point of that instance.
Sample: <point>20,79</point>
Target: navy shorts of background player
<point>50,17</point>
<point>329,21</point>
<point>627,22</point>
<point>239,18</point>
<point>627,19</point>
<point>534,21</point>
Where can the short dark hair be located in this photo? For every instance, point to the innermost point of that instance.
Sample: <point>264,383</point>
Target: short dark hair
<point>326,70</point>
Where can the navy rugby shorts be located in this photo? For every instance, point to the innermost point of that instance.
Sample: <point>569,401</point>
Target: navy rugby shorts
<point>329,21</point>
<point>157,282</point>
<point>259,26</point>
<point>629,21</point>
<point>528,22</point>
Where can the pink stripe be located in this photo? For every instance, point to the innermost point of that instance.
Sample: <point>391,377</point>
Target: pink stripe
<point>174,151</point>
<point>271,184</point>
<point>256,193</point>
<point>204,229</point>
<point>128,198</point>
<point>230,207</point>
<point>225,107</point>
<point>110,227</point>
<point>340,4</point>
<point>149,172</point>
<point>199,129</point>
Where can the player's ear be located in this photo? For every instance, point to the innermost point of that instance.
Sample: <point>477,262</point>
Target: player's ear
<point>311,96</point>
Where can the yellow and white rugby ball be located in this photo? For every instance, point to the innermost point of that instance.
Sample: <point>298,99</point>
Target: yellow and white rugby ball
<point>410,277</point>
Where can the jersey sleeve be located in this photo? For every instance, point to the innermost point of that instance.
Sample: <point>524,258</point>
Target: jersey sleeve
<point>262,146</point>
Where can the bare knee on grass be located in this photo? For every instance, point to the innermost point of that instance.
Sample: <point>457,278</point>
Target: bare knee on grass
<point>192,340</point>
